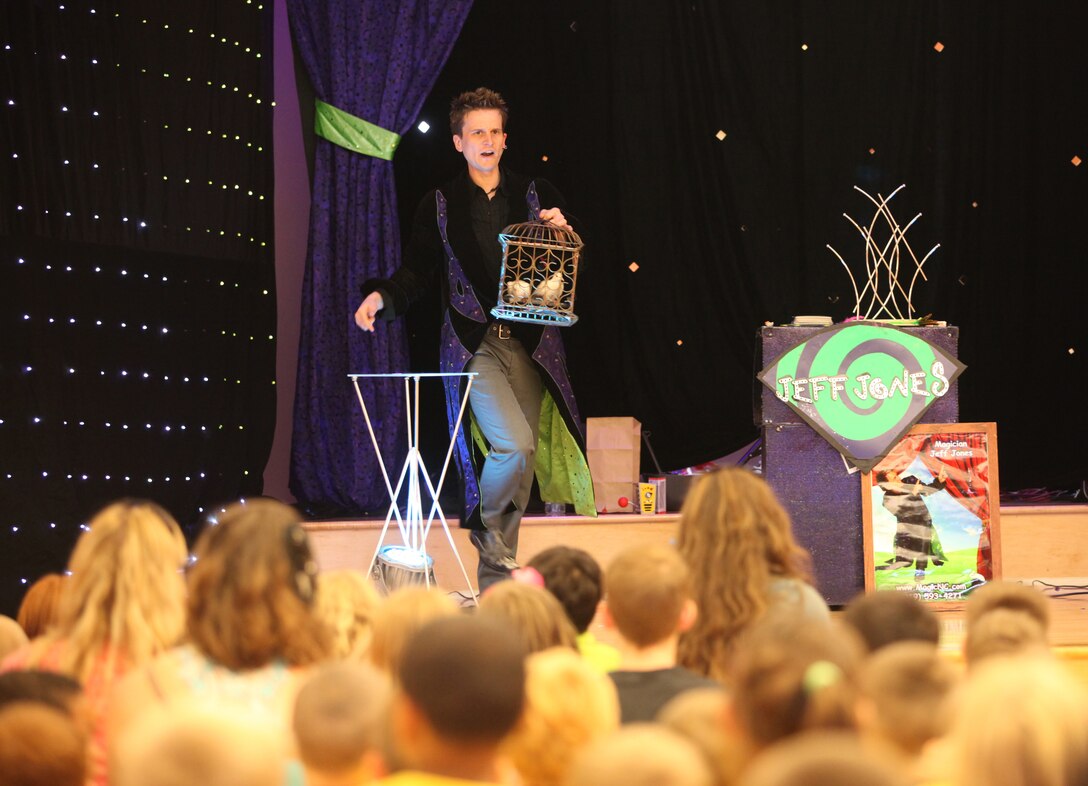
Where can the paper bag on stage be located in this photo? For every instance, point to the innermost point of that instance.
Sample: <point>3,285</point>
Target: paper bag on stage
<point>613,448</point>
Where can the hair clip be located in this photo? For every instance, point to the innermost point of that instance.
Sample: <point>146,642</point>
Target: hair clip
<point>530,576</point>
<point>820,674</point>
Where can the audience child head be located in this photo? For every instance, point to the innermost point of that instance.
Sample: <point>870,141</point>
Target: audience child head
<point>1007,595</point>
<point>887,617</point>
<point>533,612</point>
<point>902,692</point>
<point>252,588</point>
<point>821,759</point>
<point>640,754</point>
<point>339,724</point>
<point>346,602</point>
<point>190,746</point>
<point>461,692</point>
<point>1003,631</point>
<point>568,704</point>
<point>649,605</point>
<point>38,611</point>
<point>398,617</point>
<point>123,604</point>
<point>737,542</point>
<point>791,675</point>
<point>1018,721</point>
<point>12,636</point>
<point>40,746</point>
<point>252,630</point>
<point>649,597</point>
<point>574,577</point>
<point>1005,618</point>
<point>124,599</point>
<point>699,716</point>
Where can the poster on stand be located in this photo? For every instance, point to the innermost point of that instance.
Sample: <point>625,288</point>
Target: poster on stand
<point>930,513</point>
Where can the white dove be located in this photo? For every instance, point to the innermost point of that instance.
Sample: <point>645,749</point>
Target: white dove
<point>517,292</point>
<point>550,290</point>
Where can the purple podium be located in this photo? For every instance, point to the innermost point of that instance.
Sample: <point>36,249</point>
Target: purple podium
<point>811,478</point>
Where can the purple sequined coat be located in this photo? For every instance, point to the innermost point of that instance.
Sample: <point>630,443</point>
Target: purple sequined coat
<point>442,242</point>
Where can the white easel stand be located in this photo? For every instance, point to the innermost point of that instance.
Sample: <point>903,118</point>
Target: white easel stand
<point>413,526</point>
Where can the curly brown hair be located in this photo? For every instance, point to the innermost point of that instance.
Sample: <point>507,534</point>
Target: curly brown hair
<point>735,537</point>
<point>248,598</point>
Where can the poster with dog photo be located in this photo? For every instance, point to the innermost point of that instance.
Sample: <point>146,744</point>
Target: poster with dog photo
<point>931,518</point>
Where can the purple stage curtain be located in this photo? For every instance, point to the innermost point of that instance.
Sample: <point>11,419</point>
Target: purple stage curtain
<point>377,60</point>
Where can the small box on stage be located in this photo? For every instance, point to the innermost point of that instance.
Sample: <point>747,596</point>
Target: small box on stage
<point>651,496</point>
<point>539,274</point>
<point>614,451</point>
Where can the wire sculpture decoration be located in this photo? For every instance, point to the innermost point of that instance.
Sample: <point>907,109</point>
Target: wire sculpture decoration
<point>539,274</point>
<point>883,261</point>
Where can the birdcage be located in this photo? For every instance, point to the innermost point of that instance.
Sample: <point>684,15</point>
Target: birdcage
<point>539,273</point>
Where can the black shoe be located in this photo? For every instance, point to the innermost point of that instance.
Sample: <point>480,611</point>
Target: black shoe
<point>493,549</point>
<point>893,564</point>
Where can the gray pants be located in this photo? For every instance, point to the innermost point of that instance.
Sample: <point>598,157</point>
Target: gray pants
<point>505,400</point>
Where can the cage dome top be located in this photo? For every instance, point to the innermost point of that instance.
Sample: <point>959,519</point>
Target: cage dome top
<point>542,234</point>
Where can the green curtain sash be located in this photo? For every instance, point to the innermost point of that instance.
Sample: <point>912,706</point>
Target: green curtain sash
<point>354,133</point>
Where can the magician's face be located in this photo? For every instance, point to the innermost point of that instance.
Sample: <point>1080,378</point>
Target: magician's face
<point>481,140</point>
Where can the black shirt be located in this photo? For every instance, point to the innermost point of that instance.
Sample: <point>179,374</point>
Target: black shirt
<point>488,220</point>
<point>642,694</point>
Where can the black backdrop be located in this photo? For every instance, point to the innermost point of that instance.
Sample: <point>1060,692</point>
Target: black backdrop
<point>626,100</point>
<point>137,301</point>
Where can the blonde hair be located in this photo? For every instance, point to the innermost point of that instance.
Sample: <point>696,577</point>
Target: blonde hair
<point>569,704</point>
<point>1019,721</point>
<point>38,610</point>
<point>12,636</point>
<point>125,594</point>
<point>647,589</point>
<point>346,600</point>
<point>250,589</point>
<point>195,746</point>
<point>533,612</point>
<point>398,617</point>
<point>735,537</point>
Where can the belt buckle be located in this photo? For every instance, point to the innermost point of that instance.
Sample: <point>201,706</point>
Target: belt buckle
<point>502,331</point>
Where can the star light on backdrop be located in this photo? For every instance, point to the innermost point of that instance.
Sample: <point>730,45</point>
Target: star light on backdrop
<point>138,299</point>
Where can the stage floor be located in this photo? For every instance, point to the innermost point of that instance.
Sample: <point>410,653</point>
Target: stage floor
<point>1045,546</point>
